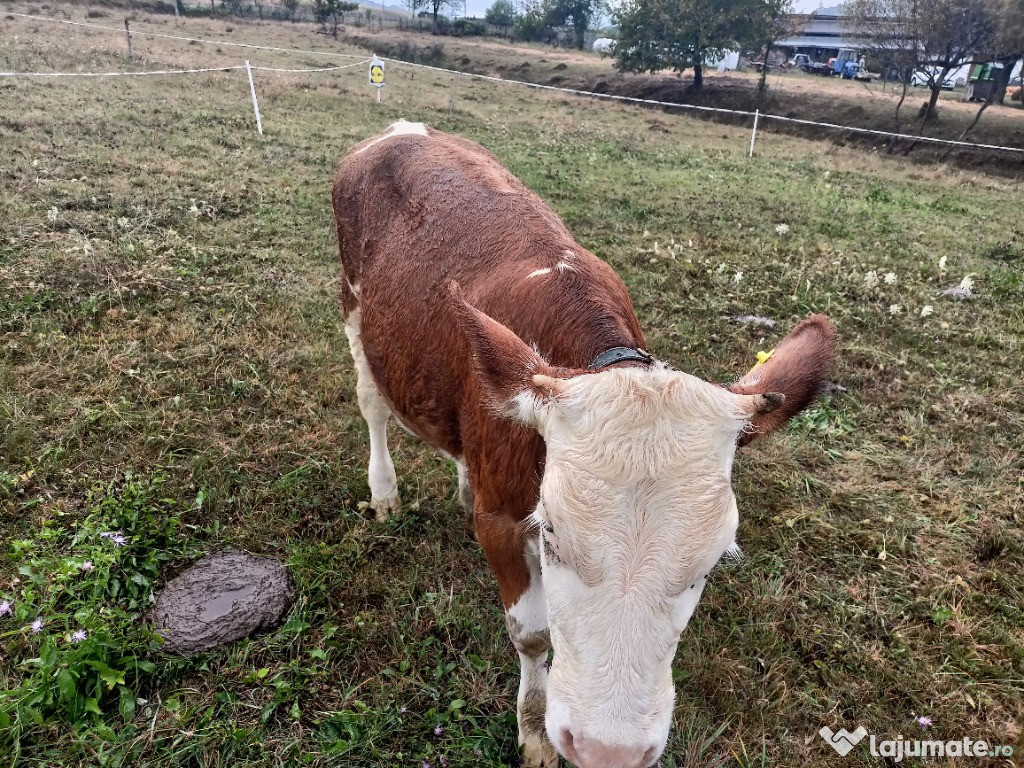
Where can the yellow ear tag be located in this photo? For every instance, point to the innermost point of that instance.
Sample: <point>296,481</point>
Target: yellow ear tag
<point>762,358</point>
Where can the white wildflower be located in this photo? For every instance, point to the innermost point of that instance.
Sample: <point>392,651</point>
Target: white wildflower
<point>926,310</point>
<point>123,223</point>
<point>52,214</point>
<point>942,264</point>
<point>737,278</point>
<point>890,278</point>
<point>967,285</point>
<point>782,229</point>
<point>895,309</point>
<point>871,279</point>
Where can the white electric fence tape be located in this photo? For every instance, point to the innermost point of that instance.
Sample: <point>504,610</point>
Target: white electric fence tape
<point>757,115</point>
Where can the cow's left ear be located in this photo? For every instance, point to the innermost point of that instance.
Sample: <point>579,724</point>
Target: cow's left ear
<point>797,370</point>
<point>513,378</point>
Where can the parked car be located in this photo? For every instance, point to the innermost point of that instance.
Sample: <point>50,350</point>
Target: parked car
<point>924,78</point>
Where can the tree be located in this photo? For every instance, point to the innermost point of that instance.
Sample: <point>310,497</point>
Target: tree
<point>435,7</point>
<point>760,25</point>
<point>328,10</point>
<point>291,6</point>
<point>415,6</point>
<point>575,14</point>
<point>930,37</point>
<point>502,14</point>
<point>532,22</point>
<point>674,34</point>
<point>1008,44</point>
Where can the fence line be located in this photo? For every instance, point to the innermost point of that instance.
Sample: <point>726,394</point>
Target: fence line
<point>757,114</point>
<point>702,108</point>
<point>124,74</point>
<point>187,39</point>
<point>364,62</point>
<point>226,68</point>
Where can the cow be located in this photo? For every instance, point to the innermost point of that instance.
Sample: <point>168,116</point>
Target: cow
<point>598,478</point>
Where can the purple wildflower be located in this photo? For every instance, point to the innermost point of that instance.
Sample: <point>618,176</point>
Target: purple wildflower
<point>478,752</point>
<point>37,626</point>
<point>924,721</point>
<point>438,730</point>
<point>444,761</point>
<point>78,636</point>
<point>403,710</point>
<point>116,537</point>
<point>87,566</point>
<point>5,608</point>
<point>426,764</point>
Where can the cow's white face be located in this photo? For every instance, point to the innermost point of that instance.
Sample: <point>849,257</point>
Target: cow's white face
<point>635,509</point>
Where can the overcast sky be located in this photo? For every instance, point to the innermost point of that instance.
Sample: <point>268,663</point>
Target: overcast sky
<point>478,7</point>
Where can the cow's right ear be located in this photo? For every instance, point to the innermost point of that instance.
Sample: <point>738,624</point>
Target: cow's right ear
<point>514,380</point>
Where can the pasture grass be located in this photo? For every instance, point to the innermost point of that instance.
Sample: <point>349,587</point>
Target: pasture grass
<point>172,366</point>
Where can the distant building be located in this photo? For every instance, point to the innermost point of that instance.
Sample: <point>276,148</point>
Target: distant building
<point>823,34</point>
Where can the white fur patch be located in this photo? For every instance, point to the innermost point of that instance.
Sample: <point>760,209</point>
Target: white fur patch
<point>539,272</point>
<point>565,263</point>
<point>637,492</point>
<point>401,128</point>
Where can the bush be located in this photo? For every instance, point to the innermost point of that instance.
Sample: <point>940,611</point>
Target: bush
<point>469,28</point>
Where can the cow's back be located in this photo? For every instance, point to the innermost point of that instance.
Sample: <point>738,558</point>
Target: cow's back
<point>416,209</point>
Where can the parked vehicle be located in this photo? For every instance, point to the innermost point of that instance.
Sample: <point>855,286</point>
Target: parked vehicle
<point>925,78</point>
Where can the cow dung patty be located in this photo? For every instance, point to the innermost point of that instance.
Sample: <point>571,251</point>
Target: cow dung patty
<point>223,597</point>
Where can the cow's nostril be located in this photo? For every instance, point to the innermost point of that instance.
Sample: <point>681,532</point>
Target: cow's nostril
<point>649,757</point>
<point>569,747</point>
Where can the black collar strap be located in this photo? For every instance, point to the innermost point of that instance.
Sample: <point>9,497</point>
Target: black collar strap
<point>620,355</point>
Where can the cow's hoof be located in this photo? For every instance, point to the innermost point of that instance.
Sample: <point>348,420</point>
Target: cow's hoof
<point>386,506</point>
<point>538,753</point>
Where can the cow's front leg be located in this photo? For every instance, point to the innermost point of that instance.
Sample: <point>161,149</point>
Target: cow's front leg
<point>516,563</point>
<point>528,627</point>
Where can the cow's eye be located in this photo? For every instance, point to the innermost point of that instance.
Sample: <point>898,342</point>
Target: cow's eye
<point>551,548</point>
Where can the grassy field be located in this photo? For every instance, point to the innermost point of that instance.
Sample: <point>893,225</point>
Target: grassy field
<point>172,366</point>
<point>791,94</point>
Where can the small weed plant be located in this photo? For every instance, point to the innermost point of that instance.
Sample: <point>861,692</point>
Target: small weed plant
<point>72,626</point>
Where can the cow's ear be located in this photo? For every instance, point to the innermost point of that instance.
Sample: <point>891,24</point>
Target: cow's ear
<point>514,380</point>
<point>792,377</point>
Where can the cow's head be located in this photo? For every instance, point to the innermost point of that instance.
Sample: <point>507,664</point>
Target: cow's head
<point>636,507</point>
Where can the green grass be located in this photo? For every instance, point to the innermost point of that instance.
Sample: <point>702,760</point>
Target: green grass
<point>172,365</point>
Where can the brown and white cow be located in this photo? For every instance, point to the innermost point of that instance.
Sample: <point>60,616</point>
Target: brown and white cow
<point>599,479</point>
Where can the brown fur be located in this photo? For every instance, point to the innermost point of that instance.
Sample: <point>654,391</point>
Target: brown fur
<point>415,213</point>
<point>797,371</point>
<point>418,213</point>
